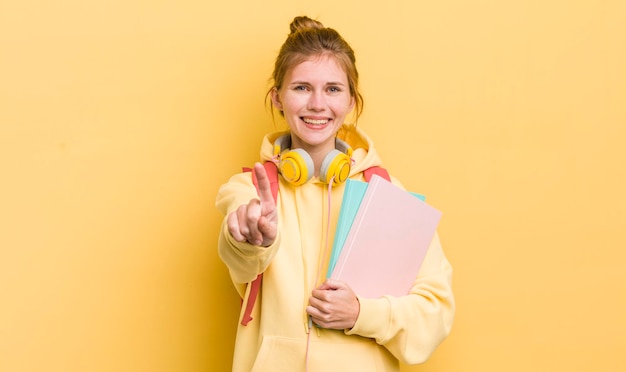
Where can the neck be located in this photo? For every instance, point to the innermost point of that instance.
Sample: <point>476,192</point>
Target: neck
<point>317,152</point>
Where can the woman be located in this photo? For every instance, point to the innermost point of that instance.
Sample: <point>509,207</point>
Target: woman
<point>299,320</point>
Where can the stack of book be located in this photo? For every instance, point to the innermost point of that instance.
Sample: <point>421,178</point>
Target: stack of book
<point>381,239</point>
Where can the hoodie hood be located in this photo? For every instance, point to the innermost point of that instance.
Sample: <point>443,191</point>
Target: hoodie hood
<point>364,155</point>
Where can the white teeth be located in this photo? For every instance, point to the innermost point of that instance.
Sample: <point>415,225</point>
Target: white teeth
<point>311,121</point>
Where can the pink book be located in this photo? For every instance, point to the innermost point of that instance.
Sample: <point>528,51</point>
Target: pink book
<point>386,245</point>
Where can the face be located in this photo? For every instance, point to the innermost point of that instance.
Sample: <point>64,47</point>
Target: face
<point>315,100</point>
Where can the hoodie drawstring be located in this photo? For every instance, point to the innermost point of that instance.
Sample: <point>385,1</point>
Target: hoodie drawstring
<point>320,268</point>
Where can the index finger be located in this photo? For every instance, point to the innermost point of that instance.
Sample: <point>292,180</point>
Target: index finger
<point>263,184</point>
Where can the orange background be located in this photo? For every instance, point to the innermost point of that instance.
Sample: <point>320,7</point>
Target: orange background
<point>119,120</point>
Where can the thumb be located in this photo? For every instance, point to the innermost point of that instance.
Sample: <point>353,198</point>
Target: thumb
<point>330,284</point>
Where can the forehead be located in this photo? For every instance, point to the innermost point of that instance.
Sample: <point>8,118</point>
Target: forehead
<point>324,68</point>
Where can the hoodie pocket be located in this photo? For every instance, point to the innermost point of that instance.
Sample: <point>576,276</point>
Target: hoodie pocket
<point>353,354</point>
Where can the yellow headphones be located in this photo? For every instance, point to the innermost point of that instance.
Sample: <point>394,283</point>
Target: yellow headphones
<point>296,165</point>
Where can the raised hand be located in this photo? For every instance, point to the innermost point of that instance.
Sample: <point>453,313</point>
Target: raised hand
<point>257,221</point>
<point>334,305</point>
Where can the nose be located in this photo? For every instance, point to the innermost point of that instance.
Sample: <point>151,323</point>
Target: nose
<point>317,101</point>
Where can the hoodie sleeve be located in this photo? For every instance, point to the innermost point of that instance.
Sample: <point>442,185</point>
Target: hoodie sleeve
<point>412,326</point>
<point>244,261</point>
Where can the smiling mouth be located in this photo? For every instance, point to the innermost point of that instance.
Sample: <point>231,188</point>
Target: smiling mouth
<point>315,122</point>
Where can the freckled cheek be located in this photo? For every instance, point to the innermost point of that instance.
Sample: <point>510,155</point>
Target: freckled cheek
<point>340,108</point>
<point>294,104</point>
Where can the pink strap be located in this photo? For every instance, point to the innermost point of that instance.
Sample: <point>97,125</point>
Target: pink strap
<point>376,170</point>
<point>254,291</point>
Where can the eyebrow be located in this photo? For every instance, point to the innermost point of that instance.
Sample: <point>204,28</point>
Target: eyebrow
<point>307,83</point>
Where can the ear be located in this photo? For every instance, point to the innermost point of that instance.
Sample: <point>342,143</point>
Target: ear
<point>276,99</point>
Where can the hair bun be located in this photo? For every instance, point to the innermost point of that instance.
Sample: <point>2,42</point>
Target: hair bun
<point>304,23</point>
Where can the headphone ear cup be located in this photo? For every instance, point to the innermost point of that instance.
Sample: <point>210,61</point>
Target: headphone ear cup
<point>336,166</point>
<point>296,166</point>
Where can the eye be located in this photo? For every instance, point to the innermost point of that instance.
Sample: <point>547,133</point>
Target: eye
<point>334,89</point>
<point>300,88</point>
